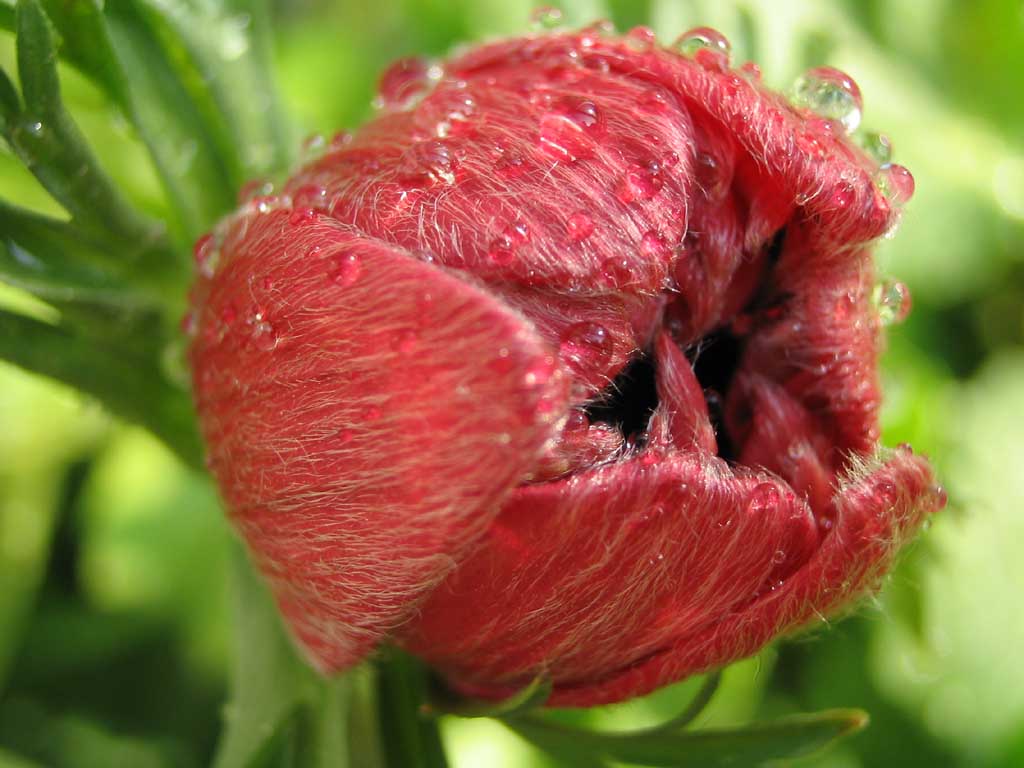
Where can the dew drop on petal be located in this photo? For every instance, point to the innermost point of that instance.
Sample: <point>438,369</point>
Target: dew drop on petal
<point>843,195</point>
<point>941,497</point>
<point>254,188</point>
<point>264,336</point>
<point>403,83</point>
<point>641,39</point>
<point>206,255</point>
<point>653,244</point>
<point>896,183</point>
<point>569,132</point>
<point>586,346</point>
<point>701,39</point>
<point>312,147</point>
<point>404,342</point>
<point>577,421</point>
<point>546,17</point>
<point>892,301</point>
<point>616,272</point>
<point>640,183</point>
<point>751,71</point>
<point>877,146</point>
<point>579,226</point>
<point>764,499</point>
<point>302,216</point>
<point>830,93</point>
<point>502,251</point>
<point>310,196</point>
<point>347,269</point>
<point>539,371</point>
<point>427,162</point>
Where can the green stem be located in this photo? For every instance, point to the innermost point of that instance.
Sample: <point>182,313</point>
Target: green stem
<point>409,738</point>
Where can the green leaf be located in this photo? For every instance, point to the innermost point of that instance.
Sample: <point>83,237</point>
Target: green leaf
<point>410,738</point>
<point>61,262</point>
<point>695,707</point>
<point>176,117</point>
<point>444,701</point>
<point>129,386</point>
<point>49,143</point>
<point>229,43</point>
<point>280,712</point>
<point>751,745</point>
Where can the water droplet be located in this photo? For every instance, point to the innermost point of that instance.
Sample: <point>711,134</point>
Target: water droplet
<point>254,188</point>
<point>501,252</point>
<point>302,216</point>
<point>877,146</point>
<point>751,71</point>
<point>206,255</point>
<point>830,93</point>
<point>779,556</point>
<point>405,341</point>
<point>579,226</point>
<point>545,17</point>
<point>189,323</point>
<point>427,162</point>
<point>586,346</point>
<point>311,196</point>
<point>511,165</point>
<point>340,140</point>
<point>941,497</point>
<point>539,372</point>
<point>764,499</point>
<point>709,176</point>
<point>641,39</point>
<point>228,314</point>
<point>887,494</point>
<point>843,195</point>
<point>616,272</point>
<point>403,83</point>
<point>577,421</point>
<point>313,146</point>
<point>641,182</point>
<point>569,132</point>
<point>589,36</point>
<point>707,40</point>
<point>447,112</point>
<point>264,335</point>
<point>896,183</point>
<point>347,269</point>
<point>653,244</point>
<point>892,301</point>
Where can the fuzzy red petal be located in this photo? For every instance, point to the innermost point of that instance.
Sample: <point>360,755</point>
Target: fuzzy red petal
<point>366,414</point>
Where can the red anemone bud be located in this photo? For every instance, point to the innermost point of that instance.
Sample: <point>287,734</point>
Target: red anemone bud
<point>564,364</point>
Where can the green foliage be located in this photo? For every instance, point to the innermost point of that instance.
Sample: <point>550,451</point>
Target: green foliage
<point>114,644</point>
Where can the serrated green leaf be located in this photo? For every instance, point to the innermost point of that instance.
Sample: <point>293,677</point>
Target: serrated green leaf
<point>129,386</point>
<point>752,745</point>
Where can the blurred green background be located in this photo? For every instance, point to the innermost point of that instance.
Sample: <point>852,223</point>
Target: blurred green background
<point>115,622</point>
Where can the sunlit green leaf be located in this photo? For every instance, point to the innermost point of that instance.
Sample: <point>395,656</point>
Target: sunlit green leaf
<point>129,387</point>
<point>751,745</point>
<point>46,139</point>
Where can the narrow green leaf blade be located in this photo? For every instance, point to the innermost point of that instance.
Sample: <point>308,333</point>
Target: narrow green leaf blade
<point>280,712</point>
<point>443,701</point>
<point>130,387</point>
<point>410,738</point>
<point>60,262</point>
<point>752,745</point>
<point>176,117</point>
<point>49,143</point>
<point>229,42</point>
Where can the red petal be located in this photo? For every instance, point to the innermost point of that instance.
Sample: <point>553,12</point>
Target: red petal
<point>594,573</point>
<point>364,423</point>
<point>877,511</point>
